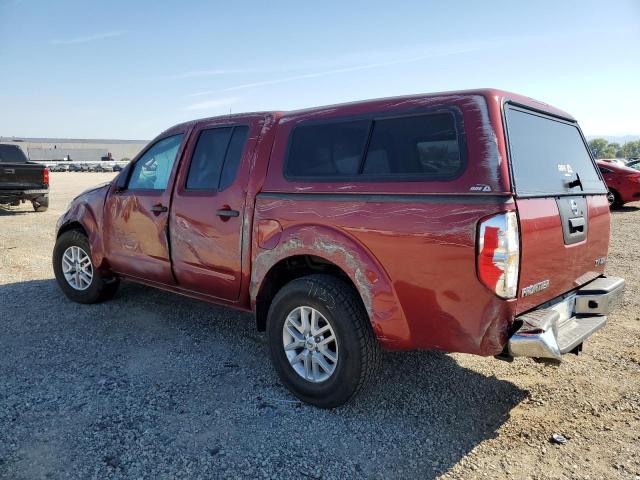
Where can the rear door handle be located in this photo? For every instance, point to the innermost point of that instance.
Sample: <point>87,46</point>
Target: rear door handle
<point>576,225</point>
<point>159,208</point>
<point>227,212</point>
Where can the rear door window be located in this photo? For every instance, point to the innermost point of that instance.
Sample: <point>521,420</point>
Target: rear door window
<point>215,160</point>
<point>549,156</point>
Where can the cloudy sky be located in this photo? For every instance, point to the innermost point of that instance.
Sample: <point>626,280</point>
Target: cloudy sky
<point>121,69</point>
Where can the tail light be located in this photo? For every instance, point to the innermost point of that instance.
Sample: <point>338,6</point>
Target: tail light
<point>45,176</point>
<point>499,253</point>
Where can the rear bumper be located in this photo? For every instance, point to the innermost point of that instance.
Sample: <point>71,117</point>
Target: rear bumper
<point>13,195</point>
<point>562,326</point>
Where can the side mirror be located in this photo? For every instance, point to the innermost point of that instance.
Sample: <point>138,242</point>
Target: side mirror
<point>121,179</point>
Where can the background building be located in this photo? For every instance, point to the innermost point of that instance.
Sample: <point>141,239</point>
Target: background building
<point>77,150</point>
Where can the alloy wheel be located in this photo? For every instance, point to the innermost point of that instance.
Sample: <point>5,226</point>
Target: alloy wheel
<point>310,344</point>
<point>77,268</point>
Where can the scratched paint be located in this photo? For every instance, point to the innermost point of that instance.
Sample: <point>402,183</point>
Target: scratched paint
<point>411,260</point>
<point>426,250</point>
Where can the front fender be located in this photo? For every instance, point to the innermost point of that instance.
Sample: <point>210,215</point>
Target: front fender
<point>368,276</point>
<point>86,210</point>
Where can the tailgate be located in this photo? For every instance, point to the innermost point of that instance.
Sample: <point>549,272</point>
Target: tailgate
<point>562,206</point>
<point>21,176</point>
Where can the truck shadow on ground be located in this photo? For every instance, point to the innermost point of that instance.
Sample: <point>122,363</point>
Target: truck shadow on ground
<point>155,376</point>
<point>625,208</point>
<point>6,210</point>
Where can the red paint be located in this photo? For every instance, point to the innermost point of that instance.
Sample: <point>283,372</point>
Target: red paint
<point>624,181</point>
<point>206,248</point>
<point>409,247</point>
<point>269,233</point>
<point>544,256</point>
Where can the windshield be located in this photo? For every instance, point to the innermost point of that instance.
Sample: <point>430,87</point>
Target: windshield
<point>549,156</point>
<point>634,164</point>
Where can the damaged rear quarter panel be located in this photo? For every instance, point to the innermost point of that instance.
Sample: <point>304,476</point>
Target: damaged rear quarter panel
<point>412,261</point>
<point>420,235</point>
<point>339,248</point>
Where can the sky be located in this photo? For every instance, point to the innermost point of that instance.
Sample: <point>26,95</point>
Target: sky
<point>130,69</point>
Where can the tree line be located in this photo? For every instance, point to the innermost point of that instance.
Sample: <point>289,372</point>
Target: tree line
<point>601,148</point>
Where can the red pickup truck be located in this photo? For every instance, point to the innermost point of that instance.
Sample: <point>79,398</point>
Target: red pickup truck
<point>471,221</point>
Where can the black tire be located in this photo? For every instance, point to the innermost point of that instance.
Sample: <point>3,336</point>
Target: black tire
<point>614,199</point>
<point>99,289</point>
<point>359,351</point>
<point>41,204</point>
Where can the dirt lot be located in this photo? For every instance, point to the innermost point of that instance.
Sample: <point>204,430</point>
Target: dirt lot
<point>153,385</point>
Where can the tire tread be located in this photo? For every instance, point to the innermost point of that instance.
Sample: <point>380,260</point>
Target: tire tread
<point>347,296</point>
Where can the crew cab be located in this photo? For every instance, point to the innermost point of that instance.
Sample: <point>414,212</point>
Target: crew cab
<point>21,180</point>
<point>622,181</point>
<point>472,221</point>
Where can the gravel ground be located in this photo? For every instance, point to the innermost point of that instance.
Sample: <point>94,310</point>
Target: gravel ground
<point>153,385</point>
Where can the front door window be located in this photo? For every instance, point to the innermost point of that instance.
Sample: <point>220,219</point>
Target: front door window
<point>152,171</point>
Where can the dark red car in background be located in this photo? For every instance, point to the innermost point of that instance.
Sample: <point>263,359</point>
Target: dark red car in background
<point>623,183</point>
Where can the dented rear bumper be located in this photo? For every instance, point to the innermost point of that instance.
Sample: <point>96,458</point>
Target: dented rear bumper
<point>561,326</point>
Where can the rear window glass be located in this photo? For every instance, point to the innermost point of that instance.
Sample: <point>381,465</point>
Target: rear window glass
<point>424,147</point>
<point>332,149</point>
<point>207,159</point>
<point>234,153</point>
<point>12,153</point>
<point>548,156</point>
<point>215,161</point>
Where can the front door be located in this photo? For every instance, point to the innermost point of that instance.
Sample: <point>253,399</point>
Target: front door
<point>208,208</point>
<point>136,215</point>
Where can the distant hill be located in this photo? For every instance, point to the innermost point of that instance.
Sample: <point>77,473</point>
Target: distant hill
<point>621,140</point>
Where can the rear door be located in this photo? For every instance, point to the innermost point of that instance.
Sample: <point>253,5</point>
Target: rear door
<point>562,206</point>
<point>208,207</point>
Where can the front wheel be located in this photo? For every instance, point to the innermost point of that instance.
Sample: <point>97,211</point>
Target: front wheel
<point>321,341</point>
<point>75,272</point>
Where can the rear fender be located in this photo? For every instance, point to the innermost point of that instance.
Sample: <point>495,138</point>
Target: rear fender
<point>368,276</point>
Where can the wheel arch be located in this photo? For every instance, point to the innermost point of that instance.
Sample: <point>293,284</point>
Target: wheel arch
<point>71,225</point>
<point>81,217</point>
<point>325,248</point>
<point>286,270</point>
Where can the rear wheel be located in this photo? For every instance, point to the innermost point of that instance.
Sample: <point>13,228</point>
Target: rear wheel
<point>614,200</point>
<point>41,204</point>
<point>321,341</point>
<point>75,272</point>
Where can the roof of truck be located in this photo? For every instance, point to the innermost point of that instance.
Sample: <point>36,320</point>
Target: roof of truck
<point>489,93</point>
<point>499,95</point>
